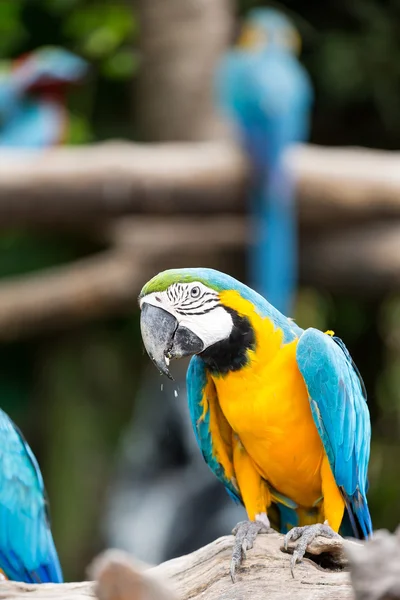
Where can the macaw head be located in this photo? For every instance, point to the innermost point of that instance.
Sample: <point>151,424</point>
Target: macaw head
<point>265,27</point>
<point>201,311</point>
<point>48,67</point>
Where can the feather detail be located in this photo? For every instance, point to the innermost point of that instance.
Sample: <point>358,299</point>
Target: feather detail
<point>27,551</point>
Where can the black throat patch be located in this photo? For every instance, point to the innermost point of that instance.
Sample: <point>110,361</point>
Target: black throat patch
<point>231,354</point>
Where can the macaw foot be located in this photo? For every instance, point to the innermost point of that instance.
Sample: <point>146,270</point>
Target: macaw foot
<point>245,533</point>
<point>3,576</point>
<point>306,535</point>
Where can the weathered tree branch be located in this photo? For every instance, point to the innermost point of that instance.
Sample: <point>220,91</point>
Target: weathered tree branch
<point>204,574</point>
<point>360,259</point>
<point>84,186</point>
<point>157,235</point>
<point>375,567</point>
<point>109,282</point>
<point>118,576</point>
<point>112,179</point>
<point>341,183</point>
<point>84,290</point>
<point>66,591</point>
<point>374,574</point>
<point>334,569</point>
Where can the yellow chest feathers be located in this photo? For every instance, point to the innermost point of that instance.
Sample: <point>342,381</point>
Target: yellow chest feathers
<point>266,404</point>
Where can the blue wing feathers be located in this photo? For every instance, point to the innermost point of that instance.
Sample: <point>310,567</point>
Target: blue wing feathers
<point>196,381</point>
<point>27,551</point>
<point>338,404</point>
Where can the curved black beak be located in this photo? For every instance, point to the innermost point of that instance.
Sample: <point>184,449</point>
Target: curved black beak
<point>165,339</point>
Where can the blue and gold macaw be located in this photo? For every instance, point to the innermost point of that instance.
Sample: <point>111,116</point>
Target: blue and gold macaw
<point>32,107</point>
<point>265,91</point>
<point>27,551</point>
<point>279,413</point>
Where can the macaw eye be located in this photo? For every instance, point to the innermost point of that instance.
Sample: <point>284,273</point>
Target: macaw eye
<point>195,292</point>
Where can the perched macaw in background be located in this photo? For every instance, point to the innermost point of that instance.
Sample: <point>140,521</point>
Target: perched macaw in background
<point>32,107</point>
<point>279,412</point>
<point>33,116</point>
<point>27,551</point>
<point>265,91</point>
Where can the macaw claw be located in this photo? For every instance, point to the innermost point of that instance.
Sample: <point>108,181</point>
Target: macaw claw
<point>245,533</point>
<point>306,535</point>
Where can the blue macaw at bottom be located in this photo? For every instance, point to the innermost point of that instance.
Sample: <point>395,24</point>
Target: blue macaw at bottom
<point>279,413</point>
<point>27,551</point>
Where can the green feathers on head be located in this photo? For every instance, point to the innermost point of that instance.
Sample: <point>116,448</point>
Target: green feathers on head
<point>163,280</point>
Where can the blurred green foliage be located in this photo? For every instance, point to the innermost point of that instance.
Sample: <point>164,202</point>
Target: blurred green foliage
<point>86,387</point>
<point>100,30</point>
<point>352,51</point>
<point>22,252</point>
<point>104,32</point>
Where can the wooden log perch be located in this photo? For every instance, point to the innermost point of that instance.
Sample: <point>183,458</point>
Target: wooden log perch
<point>109,281</point>
<point>185,203</point>
<point>204,575</point>
<point>71,184</point>
<point>85,290</point>
<point>361,259</point>
<point>334,569</point>
<point>366,259</point>
<point>343,183</point>
<point>375,567</point>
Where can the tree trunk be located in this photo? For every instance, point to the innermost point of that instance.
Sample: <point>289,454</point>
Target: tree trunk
<point>181,44</point>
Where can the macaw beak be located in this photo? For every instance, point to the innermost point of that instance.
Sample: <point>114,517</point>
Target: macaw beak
<point>165,339</point>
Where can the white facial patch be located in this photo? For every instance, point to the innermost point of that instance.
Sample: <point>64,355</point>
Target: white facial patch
<point>211,327</point>
<point>196,307</point>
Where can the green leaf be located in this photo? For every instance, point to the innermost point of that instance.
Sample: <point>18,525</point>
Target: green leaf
<point>100,29</point>
<point>122,65</point>
<point>12,31</point>
<point>59,6</point>
<point>79,130</point>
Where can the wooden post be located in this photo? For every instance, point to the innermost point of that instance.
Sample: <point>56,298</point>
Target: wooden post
<point>181,43</point>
